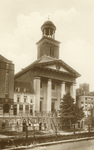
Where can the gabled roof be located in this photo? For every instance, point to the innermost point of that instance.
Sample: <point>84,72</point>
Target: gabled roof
<point>3,59</point>
<point>45,61</point>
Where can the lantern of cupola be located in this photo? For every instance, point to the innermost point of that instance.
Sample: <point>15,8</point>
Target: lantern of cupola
<point>48,29</point>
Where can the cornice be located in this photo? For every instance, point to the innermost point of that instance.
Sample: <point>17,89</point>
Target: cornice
<point>48,40</point>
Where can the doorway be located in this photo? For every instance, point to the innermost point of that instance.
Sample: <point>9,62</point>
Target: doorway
<point>40,126</point>
<point>52,106</point>
<point>40,106</point>
<point>15,110</point>
<point>6,108</point>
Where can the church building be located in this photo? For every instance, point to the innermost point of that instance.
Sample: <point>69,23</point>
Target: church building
<point>50,76</point>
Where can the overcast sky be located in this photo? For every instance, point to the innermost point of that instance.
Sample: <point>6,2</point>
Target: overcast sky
<point>20,23</point>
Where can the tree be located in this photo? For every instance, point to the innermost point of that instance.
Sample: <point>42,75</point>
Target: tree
<point>69,112</point>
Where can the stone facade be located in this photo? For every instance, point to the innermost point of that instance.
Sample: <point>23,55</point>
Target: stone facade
<point>50,76</point>
<point>45,81</point>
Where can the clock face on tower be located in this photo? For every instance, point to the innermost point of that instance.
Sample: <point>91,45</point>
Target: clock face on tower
<point>57,66</point>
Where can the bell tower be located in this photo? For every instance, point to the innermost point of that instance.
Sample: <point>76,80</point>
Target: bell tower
<point>47,45</point>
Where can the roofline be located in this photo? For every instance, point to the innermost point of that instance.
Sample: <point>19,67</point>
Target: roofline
<point>49,62</point>
<point>48,38</point>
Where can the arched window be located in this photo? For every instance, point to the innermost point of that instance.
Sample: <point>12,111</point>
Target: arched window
<point>51,51</point>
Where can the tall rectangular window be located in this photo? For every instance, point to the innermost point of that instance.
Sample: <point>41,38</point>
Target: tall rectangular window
<point>25,99</point>
<point>25,90</point>
<point>17,89</point>
<point>52,106</point>
<point>18,98</point>
<point>31,109</point>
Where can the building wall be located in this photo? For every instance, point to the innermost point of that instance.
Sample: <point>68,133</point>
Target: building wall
<point>45,49</point>
<point>6,87</point>
<point>30,101</point>
<point>11,82</point>
<point>10,79</point>
<point>87,102</point>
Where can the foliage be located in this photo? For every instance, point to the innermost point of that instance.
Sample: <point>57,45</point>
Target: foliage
<point>69,112</point>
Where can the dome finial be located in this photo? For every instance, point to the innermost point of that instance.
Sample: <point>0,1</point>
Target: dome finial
<point>48,17</point>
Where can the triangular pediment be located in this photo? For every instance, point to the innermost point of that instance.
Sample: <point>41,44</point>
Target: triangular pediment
<point>56,64</point>
<point>57,67</point>
<point>50,63</point>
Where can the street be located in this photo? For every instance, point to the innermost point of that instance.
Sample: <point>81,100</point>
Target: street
<point>81,145</point>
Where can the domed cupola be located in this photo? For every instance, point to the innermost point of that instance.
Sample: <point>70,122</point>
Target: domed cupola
<point>48,29</point>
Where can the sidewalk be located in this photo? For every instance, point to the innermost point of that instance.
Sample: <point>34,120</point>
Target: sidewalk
<point>50,143</point>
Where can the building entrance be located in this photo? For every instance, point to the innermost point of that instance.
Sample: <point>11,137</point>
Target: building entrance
<point>6,108</point>
<point>15,110</point>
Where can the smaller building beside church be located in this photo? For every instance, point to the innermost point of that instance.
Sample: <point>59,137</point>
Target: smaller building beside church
<point>85,99</point>
<point>6,86</point>
<point>23,99</point>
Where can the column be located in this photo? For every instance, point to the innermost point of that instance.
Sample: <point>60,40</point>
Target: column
<point>49,95</point>
<point>23,108</point>
<point>73,91</point>
<point>62,89</point>
<point>53,34</point>
<point>37,93</point>
<point>17,109</point>
<point>44,32</point>
<point>49,33</point>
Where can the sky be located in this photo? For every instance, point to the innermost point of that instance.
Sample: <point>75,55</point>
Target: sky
<point>20,30</point>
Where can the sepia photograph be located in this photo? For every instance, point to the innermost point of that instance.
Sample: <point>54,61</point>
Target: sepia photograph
<point>46,74</point>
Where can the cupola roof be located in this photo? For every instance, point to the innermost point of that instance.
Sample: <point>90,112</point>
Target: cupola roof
<point>48,24</point>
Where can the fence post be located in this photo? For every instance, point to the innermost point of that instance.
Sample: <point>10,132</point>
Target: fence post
<point>74,130</point>
<point>89,129</point>
<point>26,135</point>
<point>56,131</point>
<point>34,131</point>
